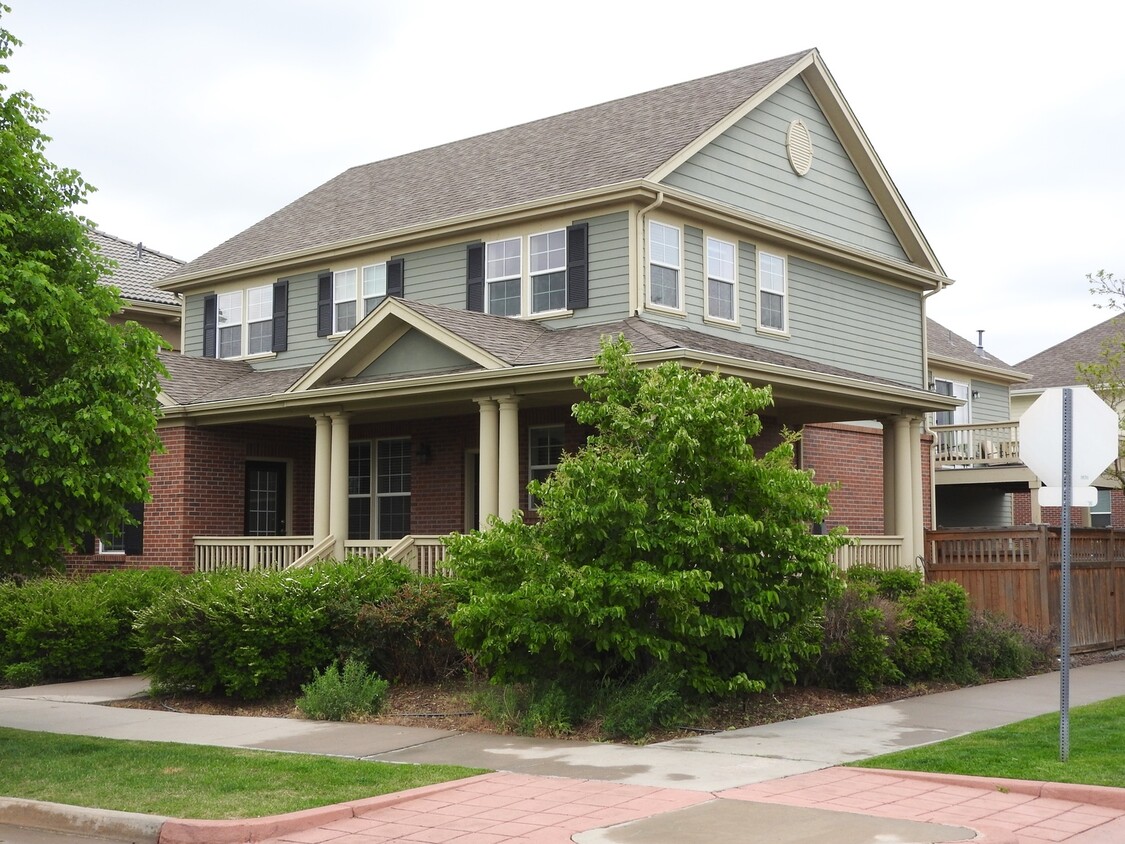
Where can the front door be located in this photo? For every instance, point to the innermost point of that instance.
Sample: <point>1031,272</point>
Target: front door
<point>265,498</point>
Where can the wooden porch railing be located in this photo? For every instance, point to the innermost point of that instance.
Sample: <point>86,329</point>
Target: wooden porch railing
<point>1016,571</point>
<point>881,552</point>
<point>421,554</point>
<point>989,444</point>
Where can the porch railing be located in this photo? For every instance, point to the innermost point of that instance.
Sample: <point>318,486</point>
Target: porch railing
<point>249,552</point>
<point>881,552</point>
<point>988,444</point>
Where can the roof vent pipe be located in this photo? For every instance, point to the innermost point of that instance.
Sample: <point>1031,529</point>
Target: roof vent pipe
<point>980,342</point>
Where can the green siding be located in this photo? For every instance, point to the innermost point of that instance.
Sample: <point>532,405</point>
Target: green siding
<point>416,353</point>
<point>990,403</point>
<point>609,272</point>
<point>747,167</point>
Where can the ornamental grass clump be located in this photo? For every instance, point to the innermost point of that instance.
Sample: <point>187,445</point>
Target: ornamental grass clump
<point>346,695</point>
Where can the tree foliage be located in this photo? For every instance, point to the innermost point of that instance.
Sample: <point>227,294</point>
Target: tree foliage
<point>78,396</point>
<point>1105,375</point>
<point>663,542</point>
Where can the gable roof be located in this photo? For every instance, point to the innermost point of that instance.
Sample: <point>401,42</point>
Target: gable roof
<point>608,144</point>
<point>138,269</point>
<point>1056,366</point>
<point>943,345</point>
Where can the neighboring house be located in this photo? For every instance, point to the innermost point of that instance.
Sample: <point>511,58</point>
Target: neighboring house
<point>392,356</point>
<point>1058,367</point>
<point>138,269</point>
<point>977,467</point>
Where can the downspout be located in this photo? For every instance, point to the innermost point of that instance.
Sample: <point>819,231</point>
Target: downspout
<point>925,385</point>
<point>642,248</point>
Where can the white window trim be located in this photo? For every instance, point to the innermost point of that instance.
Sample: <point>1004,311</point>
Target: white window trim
<point>376,496</point>
<point>357,299</point>
<point>361,298</point>
<point>527,278</point>
<point>680,308</point>
<point>531,276</point>
<point>520,276</point>
<point>765,329</point>
<point>962,415</point>
<point>708,274</point>
<point>244,331</point>
<point>531,465</point>
<point>120,552</point>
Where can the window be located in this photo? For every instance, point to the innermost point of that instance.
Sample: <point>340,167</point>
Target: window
<point>772,295</point>
<point>359,490</point>
<point>721,284</point>
<point>230,325</point>
<point>544,450</point>
<point>259,320</point>
<point>548,272</point>
<point>374,286</point>
<point>502,277</point>
<point>393,488</point>
<point>960,416</point>
<point>112,543</point>
<point>343,301</point>
<point>1101,514</point>
<point>664,266</point>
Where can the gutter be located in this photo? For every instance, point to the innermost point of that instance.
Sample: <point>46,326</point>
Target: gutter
<point>642,247</point>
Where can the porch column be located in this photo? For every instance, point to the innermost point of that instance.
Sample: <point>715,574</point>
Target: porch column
<point>508,464</point>
<point>338,498</point>
<point>916,487</point>
<point>322,478</point>
<point>489,460</point>
<point>888,477</point>
<point>904,479</point>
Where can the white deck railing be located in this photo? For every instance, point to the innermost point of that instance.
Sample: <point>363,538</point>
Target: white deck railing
<point>421,554</point>
<point>988,444</point>
<point>881,552</point>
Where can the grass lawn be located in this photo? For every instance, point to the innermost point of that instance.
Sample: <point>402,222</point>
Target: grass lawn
<point>1029,750</point>
<point>189,781</point>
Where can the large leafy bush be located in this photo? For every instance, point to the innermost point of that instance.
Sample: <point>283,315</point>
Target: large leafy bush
<point>664,541</point>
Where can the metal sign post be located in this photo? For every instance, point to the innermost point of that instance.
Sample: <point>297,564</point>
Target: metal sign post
<point>1064,595</point>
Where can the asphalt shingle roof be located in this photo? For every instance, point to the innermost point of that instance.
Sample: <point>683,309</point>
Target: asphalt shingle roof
<point>944,342</point>
<point>602,145</point>
<point>138,267</point>
<point>1056,366</point>
<point>194,380</point>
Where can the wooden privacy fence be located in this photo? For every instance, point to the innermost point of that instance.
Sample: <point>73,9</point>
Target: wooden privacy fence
<point>1017,572</point>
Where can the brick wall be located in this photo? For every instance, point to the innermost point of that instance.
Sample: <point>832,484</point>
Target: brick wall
<point>851,457</point>
<point>1021,511</point>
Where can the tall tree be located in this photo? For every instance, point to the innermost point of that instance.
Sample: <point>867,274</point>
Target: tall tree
<point>78,396</point>
<point>1105,375</point>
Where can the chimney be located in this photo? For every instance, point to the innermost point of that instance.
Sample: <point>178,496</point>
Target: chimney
<point>980,343</point>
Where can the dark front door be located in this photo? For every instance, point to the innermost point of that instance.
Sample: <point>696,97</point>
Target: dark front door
<point>265,498</point>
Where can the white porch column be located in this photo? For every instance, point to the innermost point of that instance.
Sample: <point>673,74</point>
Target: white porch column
<point>489,460</point>
<point>508,464</point>
<point>916,488</point>
<point>322,478</point>
<point>904,479</point>
<point>888,477</point>
<point>338,498</point>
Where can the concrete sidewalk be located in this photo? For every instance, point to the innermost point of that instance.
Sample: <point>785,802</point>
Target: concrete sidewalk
<point>713,775</point>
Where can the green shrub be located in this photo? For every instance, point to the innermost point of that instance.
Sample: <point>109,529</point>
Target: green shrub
<point>859,634</point>
<point>503,705</point>
<point>250,635</point>
<point>999,648</point>
<point>21,675</point>
<point>342,696</point>
<point>933,623</point>
<point>408,636</point>
<point>633,710</point>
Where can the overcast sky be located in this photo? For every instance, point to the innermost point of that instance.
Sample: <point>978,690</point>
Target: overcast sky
<point>1002,124</point>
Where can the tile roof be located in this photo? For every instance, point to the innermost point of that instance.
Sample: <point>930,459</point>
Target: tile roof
<point>945,343</point>
<point>138,267</point>
<point>1056,366</point>
<point>593,147</point>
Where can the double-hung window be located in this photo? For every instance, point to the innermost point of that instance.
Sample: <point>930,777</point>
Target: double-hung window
<point>259,320</point>
<point>772,293</point>
<point>343,301</point>
<point>503,276</point>
<point>545,448</point>
<point>721,284</point>
<point>230,324</point>
<point>374,286</point>
<point>384,505</point>
<point>548,271</point>
<point>359,490</point>
<point>664,266</point>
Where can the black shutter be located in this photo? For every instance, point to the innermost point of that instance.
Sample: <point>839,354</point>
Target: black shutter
<point>280,316</point>
<point>324,304</point>
<point>395,282</point>
<point>474,278</point>
<point>134,535</point>
<point>210,325</point>
<point>89,544</point>
<point>577,266</point>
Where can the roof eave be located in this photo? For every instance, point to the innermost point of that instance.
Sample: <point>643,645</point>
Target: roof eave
<point>1008,376</point>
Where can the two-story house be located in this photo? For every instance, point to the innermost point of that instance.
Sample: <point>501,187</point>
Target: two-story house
<point>392,356</point>
<point>977,468</point>
<point>136,270</point>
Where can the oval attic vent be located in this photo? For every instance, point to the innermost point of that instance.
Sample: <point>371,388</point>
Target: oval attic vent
<point>798,144</point>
